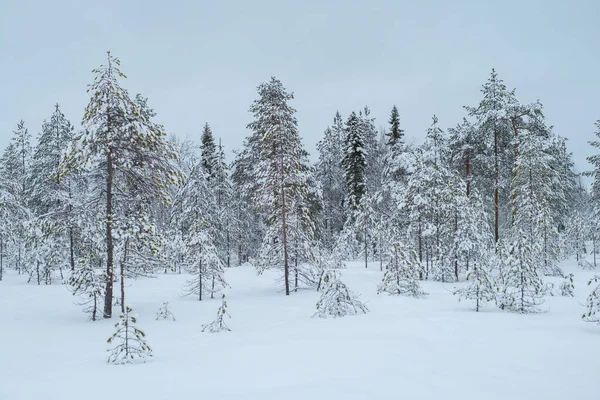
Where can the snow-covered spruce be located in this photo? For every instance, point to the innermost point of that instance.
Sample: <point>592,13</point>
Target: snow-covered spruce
<point>592,302</point>
<point>402,273</point>
<point>218,325</point>
<point>131,345</point>
<point>164,312</point>
<point>336,299</point>
<point>567,286</point>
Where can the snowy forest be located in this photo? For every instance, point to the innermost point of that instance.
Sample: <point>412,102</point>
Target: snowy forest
<point>488,206</point>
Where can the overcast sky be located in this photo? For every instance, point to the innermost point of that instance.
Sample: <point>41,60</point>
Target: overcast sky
<point>200,61</point>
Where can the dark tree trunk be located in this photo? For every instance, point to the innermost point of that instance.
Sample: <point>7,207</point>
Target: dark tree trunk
<point>366,247</point>
<point>123,275</point>
<point>72,249</point>
<point>200,282</point>
<point>109,238</point>
<point>286,267</point>
<point>496,189</point>
<point>420,245</point>
<point>1,255</point>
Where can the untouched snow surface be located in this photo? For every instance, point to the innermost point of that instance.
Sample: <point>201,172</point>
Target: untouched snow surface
<point>430,348</point>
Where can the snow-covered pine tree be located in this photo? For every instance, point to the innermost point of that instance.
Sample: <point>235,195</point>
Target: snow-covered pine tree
<point>55,138</point>
<point>474,246</point>
<point>441,216</point>
<point>18,159</point>
<point>164,312</point>
<point>493,164</point>
<point>375,151</point>
<point>331,176</point>
<point>125,148</point>
<point>526,241</point>
<point>282,178</point>
<point>16,163</point>
<point>336,299</point>
<point>402,272</point>
<point>224,217</point>
<point>249,215</point>
<point>218,325</point>
<point>431,221</point>
<point>595,191</point>
<point>131,340</point>
<point>578,224</point>
<point>50,198</point>
<point>367,226</point>
<point>462,149</point>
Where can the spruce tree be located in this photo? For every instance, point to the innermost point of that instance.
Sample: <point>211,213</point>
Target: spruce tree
<point>354,163</point>
<point>209,151</point>
<point>395,134</point>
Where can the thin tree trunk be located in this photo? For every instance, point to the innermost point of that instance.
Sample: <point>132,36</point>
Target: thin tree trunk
<point>72,249</point>
<point>594,249</point>
<point>496,190</point>
<point>95,308</point>
<point>468,172</point>
<point>200,282</point>
<point>286,267</point>
<point>366,247</point>
<point>123,275</point>
<point>228,248</point>
<point>420,240</point>
<point>109,238</point>
<point>456,245</point>
<point>212,289</point>
<point>1,255</point>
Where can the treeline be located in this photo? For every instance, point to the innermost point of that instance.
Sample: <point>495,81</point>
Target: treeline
<point>494,200</point>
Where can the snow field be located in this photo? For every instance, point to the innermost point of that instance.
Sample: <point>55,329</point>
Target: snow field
<point>429,348</point>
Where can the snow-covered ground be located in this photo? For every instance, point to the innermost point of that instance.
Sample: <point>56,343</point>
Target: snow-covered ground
<point>430,348</point>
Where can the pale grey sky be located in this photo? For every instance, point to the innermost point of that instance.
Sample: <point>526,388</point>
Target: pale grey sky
<point>200,61</point>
